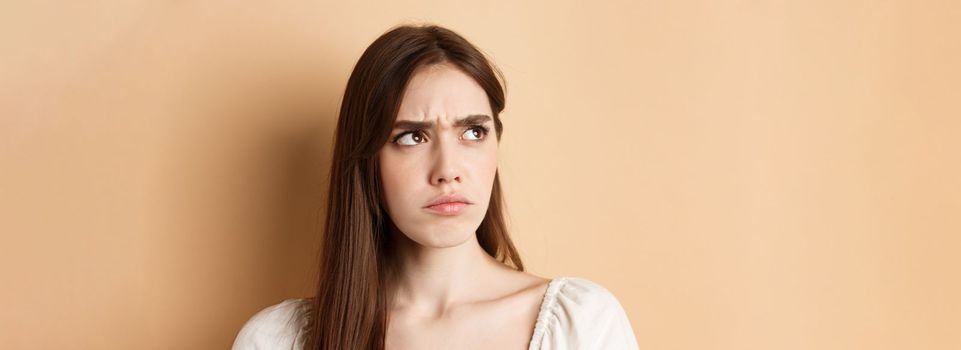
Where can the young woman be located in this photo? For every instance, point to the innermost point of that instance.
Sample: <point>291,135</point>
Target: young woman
<point>416,253</point>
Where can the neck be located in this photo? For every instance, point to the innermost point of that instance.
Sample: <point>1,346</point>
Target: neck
<point>432,279</point>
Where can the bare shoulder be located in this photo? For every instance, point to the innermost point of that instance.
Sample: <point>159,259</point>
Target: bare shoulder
<point>525,285</point>
<point>507,289</point>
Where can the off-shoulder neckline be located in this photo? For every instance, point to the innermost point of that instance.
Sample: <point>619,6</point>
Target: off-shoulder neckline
<point>544,313</point>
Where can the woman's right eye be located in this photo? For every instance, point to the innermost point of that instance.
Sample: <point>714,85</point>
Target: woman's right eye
<point>409,138</point>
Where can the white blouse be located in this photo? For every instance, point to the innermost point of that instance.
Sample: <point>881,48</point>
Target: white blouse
<point>575,313</point>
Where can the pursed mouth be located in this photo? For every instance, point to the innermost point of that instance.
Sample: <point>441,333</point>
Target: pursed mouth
<point>448,199</point>
<point>449,208</point>
<point>451,202</point>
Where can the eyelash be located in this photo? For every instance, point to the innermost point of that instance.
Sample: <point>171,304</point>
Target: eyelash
<point>483,129</point>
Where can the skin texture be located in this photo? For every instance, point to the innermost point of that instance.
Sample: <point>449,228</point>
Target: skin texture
<point>449,293</point>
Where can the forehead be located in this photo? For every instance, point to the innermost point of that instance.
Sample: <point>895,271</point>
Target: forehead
<point>442,92</point>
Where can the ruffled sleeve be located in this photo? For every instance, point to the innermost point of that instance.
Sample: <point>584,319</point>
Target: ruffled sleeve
<point>278,326</point>
<point>577,313</point>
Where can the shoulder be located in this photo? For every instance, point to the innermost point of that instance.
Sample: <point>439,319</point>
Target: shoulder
<point>278,326</point>
<point>584,294</point>
<point>581,314</point>
<point>580,298</point>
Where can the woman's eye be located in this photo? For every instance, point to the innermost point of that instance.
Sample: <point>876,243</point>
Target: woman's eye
<point>409,138</point>
<point>475,133</point>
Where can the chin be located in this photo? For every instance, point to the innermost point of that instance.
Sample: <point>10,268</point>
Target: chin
<point>444,236</point>
<point>444,240</point>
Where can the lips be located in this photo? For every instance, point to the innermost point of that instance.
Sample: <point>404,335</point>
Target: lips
<point>449,204</point>
<point>448,198</point>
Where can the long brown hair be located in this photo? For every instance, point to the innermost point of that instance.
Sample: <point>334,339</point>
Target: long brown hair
<point>350,310</point>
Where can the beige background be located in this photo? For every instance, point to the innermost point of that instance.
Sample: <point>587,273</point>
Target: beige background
<point>741,174</point>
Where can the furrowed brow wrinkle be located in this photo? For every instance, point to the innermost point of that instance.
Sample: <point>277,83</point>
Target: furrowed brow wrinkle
<point>472,119</point>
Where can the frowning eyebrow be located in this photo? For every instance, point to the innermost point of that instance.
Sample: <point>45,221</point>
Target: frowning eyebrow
<point>473,119</point>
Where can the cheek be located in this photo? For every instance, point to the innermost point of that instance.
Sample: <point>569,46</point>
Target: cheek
<point>396,174</point>
<point>490,167</point>
<point>485,166</point>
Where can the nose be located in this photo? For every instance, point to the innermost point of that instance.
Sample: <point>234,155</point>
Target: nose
<point>446,167</point>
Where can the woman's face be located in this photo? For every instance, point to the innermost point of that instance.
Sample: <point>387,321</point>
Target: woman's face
<point>442,144</point>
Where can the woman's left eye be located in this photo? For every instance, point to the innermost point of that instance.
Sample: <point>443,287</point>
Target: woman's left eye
<point>475,133</point>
